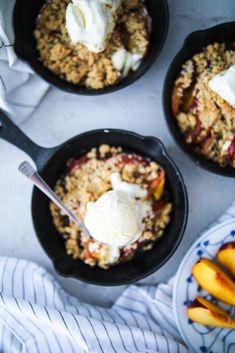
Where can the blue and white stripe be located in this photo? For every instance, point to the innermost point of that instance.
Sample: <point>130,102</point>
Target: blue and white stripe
<point>38,316</point>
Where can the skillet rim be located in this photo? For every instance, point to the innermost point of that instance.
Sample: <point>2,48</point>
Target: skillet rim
<point>182,227</point>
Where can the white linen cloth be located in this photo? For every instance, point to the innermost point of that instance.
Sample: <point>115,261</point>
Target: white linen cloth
<point>20,89</point>
<point>38,316</point>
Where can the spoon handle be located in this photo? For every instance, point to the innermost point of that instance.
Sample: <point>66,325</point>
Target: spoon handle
<point>26,169</point>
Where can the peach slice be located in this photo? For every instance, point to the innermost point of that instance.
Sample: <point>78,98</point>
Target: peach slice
<point>214,280</point>
<point>177,99</point>
<point>226,256</point>
<point>204,312</point>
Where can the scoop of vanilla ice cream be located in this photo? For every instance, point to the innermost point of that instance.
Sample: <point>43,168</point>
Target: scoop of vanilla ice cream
<point>124,61</point>
<point>90,22</point>
<point>224,85</point>
<point>131,189</point>
<point>116,218</point>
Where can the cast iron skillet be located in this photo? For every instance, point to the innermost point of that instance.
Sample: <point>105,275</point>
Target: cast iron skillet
<point>25,14</point>
<point>51,164</point>
<point>193,44</point>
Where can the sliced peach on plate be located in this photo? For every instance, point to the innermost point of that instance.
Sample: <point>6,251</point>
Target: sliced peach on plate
<point>214,280</point>
<point>226,256</point>
<point>204,312</point>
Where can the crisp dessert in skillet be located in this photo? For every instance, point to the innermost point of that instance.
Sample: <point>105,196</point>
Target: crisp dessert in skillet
<point>92,43</point>
<point>122,199</point>
<point>203,102</point>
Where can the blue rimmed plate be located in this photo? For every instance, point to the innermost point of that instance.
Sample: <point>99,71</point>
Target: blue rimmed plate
<point>202,339</point>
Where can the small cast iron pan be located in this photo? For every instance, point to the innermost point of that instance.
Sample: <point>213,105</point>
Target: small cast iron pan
<point>51,164</point>
<point>25,14</point>
<point>194,43</point>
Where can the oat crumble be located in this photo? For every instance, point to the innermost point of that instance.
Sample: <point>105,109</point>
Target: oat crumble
<point>87,178</point>
<point>205,119</point>
<point>74,62</point>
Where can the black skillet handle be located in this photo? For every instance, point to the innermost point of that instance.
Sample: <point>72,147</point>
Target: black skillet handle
<point>11,133</point>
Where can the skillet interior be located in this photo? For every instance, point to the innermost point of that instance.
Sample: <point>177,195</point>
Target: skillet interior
<point>144,263</point>
<point>193,44</point>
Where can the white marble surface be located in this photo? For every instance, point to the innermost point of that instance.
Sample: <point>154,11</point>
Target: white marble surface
<point>138,108</point>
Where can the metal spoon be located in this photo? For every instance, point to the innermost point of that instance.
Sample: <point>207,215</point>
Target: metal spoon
<point>26,169</point>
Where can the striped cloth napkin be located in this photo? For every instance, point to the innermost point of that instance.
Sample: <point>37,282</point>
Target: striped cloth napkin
<point>38,316</point>
<point>20,89</point>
